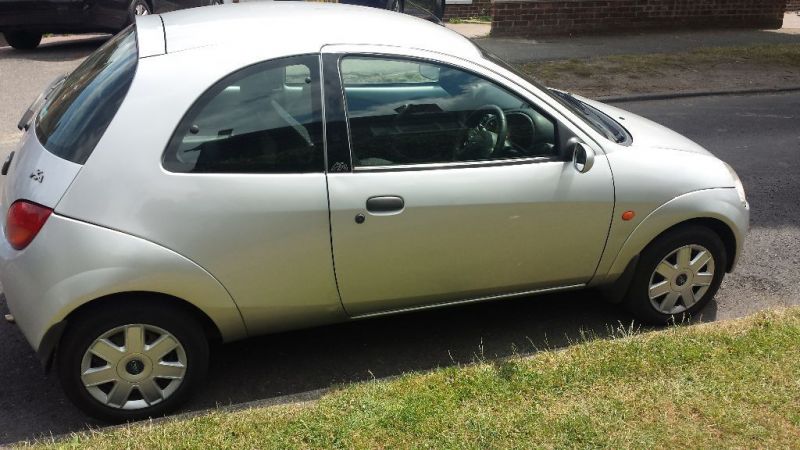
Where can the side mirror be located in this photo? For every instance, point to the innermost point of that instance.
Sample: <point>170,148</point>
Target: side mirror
<point>582,156</point>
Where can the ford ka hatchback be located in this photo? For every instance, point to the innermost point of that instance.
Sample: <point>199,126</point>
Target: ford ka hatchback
<point>219,173</point>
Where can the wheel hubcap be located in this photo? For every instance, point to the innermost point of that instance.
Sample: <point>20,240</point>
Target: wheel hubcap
<point>681,279</point>
<point>133,366</point>
<point>141,10</point>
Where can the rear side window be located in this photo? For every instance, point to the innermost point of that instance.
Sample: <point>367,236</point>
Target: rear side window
<point>78,112</point>
<point>265,118</point>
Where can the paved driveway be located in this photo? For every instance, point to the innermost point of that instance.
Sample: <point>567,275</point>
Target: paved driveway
<point>758,135</point>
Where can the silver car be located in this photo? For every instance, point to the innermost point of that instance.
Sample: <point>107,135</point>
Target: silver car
<point>219,173</point>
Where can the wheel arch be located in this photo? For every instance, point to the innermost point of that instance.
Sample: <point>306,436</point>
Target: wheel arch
<point>716,225</point>
<point>616,291</point>
<point>145,299</point>
<point>717,209</point>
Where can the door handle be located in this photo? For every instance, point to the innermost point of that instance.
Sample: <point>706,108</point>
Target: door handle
<point>385,204</point>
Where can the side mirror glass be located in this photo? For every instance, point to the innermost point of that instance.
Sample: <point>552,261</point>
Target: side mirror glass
<point>582,157</point>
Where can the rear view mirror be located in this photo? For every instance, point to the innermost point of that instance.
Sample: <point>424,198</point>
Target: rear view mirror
<point>429,72</point>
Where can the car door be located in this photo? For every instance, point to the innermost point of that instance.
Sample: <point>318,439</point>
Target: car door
<point>426,206</point>
<point>245,180</point>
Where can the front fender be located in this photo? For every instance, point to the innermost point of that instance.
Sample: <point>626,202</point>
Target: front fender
<point>71,263</point>
<point>722,204</point>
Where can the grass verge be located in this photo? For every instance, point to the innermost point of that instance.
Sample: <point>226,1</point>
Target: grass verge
<point>483,20</point>
<point>726,384</point>
<point>702,68</point>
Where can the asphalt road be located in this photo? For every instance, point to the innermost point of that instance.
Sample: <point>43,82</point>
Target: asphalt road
<point>758,135</point>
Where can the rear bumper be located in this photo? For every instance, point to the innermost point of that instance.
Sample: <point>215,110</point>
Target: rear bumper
<point>60,16</point>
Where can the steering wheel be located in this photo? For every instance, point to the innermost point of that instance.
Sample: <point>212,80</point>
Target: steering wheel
<point>480,142</point>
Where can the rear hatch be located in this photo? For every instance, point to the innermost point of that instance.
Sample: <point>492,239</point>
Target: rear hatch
<point>63,127</point>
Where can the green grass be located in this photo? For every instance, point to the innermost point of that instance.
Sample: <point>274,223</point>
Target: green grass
<point>766,56</point>
<point>484,19</point>
<point>721,385</point>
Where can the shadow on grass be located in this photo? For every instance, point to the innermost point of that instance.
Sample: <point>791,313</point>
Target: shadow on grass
<point>319,358</point>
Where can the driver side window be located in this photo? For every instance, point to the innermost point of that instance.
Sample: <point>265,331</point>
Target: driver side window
<point>403,112</point>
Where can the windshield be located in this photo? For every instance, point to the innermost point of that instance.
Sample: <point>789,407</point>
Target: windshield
<point>78,111</point>
<point>592,116</point>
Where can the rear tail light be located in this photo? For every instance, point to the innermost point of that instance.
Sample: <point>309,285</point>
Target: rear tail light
<point>23,222</point>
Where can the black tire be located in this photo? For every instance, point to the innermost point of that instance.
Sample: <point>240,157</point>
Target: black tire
<point>23,40</point>
<point>637,300</point>
<point>132,10</point>
<point>83,330</point>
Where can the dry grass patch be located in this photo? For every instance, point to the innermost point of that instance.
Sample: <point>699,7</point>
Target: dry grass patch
<point>713,68</point>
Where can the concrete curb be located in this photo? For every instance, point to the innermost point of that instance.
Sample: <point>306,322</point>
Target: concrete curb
<point>677,95</point>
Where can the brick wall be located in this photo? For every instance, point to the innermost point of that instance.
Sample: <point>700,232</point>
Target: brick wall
<point>542,17</point>
<point>793,5</point>
<point>463,10</point>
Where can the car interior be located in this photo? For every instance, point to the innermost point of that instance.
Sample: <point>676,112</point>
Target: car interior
<point>441,115</point>
<point>400,112</point>
<point>267,121</point>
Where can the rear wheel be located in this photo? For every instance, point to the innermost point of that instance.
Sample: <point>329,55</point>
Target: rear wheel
<point>23,40</point>
<point>131,361</point>
<point>677,275</point>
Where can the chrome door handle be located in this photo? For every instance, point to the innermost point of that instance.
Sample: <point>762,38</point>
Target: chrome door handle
<point>385,204</point>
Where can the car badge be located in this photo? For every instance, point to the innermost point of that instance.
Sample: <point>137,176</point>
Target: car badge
<point>37,175</point>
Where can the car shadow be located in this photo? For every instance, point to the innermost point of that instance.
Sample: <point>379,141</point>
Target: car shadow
<point>58,48</point>
<point>301,361</point>
<point>263,368</point>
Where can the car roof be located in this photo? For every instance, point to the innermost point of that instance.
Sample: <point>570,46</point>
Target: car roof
<point>307,24</point>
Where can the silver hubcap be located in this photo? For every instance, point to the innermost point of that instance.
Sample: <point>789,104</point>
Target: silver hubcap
<point>133,366</point>
<point>681,279</point>
<point>141,10</point>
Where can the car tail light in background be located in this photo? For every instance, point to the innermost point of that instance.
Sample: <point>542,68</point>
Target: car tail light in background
<point>23,222</point>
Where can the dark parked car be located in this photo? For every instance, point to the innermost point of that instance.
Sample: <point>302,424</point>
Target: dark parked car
<point>427,9</point>
<point>432,10</point>
<point>23,22</point>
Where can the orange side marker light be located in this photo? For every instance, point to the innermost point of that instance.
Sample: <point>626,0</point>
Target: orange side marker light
<point>628,215</point>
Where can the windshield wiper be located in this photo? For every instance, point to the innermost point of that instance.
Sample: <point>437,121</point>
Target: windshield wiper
<point>596,116</point>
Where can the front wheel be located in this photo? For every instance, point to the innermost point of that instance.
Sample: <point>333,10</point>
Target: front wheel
<point>131,362</point>
<point>677,275</point>
<point>23,40</point>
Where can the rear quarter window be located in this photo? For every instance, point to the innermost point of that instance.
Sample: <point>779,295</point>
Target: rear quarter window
<point>77,113</point>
